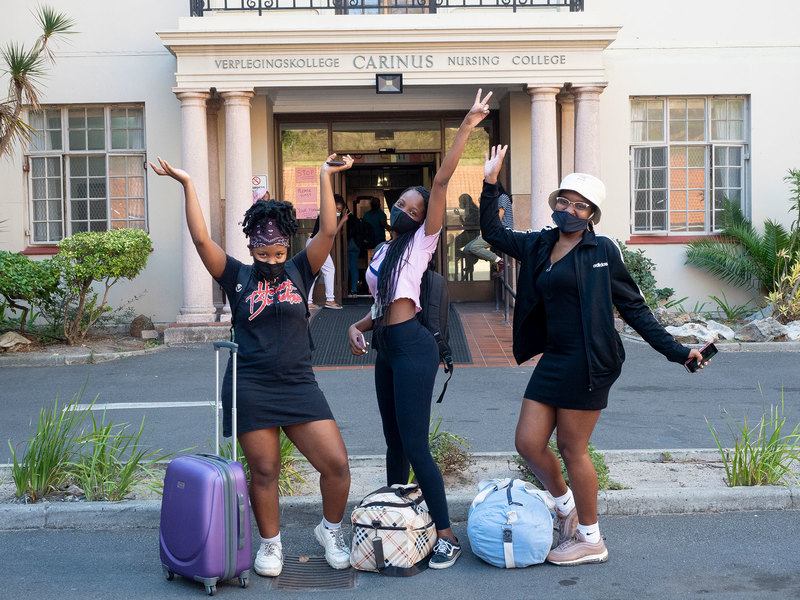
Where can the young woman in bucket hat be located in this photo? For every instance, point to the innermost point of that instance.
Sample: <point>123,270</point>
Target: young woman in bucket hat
<point>570,281</point>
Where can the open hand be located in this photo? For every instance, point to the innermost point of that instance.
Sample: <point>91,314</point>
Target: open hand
<point>479,110</point>
<point>347,159</point>
<point>494,162</point>
<point>166,169</point>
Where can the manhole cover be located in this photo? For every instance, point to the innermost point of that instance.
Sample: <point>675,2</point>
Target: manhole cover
<point>312,572</point>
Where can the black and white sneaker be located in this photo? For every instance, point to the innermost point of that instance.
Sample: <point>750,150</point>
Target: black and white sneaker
<point>445,554</point>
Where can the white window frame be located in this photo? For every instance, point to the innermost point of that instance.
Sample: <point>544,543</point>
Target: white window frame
<point>66,155</point>
<point>708,144</point>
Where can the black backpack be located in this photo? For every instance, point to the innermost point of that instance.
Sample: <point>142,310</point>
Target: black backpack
<point>243,282</point>
<point>435,302</point>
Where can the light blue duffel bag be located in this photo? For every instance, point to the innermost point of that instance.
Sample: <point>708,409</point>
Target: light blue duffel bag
<point>510,523</point>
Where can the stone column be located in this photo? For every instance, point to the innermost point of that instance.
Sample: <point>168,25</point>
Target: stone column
<point>238,170</point>
<point>216,218</point>
<point>544,152</point>
<point>587,128</point>
<point>197,305</point>
<point>567,103</point>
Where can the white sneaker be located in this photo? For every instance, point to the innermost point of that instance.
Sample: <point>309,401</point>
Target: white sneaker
<point>337,550</point>
<point>269,559</point>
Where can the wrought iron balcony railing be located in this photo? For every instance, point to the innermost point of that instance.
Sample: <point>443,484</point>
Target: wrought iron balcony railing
<point>198,7</point>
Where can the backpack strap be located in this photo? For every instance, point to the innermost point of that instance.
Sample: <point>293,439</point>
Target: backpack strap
<point>242,283</point>
<point>293,273</point>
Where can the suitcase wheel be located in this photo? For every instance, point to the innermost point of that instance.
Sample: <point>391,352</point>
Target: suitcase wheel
<point>244,580</point>
<point>167,573</point>
<point>211,589</point>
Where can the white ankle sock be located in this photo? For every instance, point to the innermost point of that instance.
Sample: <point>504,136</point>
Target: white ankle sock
<point>328,525</point>
<point>590,532</point>
<point>565,503</point>
<point>272,540</point>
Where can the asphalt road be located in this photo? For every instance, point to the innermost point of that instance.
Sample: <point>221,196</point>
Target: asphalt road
<point>655,404</point>
<point>731,556</point>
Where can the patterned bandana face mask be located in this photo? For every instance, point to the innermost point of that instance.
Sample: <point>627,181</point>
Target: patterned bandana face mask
<point>268,234</point>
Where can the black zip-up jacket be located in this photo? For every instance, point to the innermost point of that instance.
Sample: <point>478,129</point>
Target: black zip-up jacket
<point>603,283</point>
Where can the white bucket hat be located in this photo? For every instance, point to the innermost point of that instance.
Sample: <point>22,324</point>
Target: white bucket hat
<point>588,186</point>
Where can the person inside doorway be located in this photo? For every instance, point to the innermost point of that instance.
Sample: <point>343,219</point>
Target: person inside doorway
<point>276,387</point>
<point>376,218</point>
<point>328,269</point>
<point>408,355</point>
<point>353,249</point>
<point>478,246</point>
<point>570,282</point>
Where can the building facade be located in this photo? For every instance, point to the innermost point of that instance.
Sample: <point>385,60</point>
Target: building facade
<point>674,106</point>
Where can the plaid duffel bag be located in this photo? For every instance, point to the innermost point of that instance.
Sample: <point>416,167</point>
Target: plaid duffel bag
<point>393,534</point>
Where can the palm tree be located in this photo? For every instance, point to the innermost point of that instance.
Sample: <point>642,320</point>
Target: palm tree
<point>25,68</point>
<point>741,255</point>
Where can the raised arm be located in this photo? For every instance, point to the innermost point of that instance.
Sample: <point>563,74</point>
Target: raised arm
<point>510,242</point>
<point>436,204</point>
<point>320,245</point>
<point>210,253</point>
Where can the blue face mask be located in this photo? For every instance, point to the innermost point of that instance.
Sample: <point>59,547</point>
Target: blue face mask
<point>569,223</point>
<point>401,222</point>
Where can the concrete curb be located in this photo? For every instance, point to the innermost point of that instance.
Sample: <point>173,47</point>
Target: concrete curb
<point>211,333</point>
<point>56,360</point>
<point>305,510</point>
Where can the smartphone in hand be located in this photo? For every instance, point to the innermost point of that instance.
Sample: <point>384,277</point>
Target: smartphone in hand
<point>336,163</point>
<point>707,351</point>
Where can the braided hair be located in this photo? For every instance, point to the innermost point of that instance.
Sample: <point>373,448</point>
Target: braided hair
<point>281,212</point>
<point>396,257</point>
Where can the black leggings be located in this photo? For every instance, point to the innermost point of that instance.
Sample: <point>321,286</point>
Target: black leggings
<point>405,371</point>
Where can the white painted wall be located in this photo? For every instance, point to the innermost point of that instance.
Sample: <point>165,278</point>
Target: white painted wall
<point>714,47</point>
<point>680,47</point>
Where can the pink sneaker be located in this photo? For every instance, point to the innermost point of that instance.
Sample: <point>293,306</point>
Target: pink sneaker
<point>577,551</point>
<point>567,526</point>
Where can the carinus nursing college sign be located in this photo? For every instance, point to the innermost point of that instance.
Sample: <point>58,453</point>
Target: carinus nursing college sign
<point>395,62</point>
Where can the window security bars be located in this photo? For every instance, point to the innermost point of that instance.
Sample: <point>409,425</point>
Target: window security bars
<point>197,8</point>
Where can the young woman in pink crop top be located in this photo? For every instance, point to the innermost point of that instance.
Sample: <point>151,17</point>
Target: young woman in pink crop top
<point>408,356</point>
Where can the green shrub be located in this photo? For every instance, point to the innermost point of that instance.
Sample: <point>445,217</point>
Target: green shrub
<point>742,256</point>
<point>25,280</point>
<point>107,462</point>
<point>43,468</point>
<point>763,454</point>
<point>89,257</point>
<point>603,480</point>
<point>449,450</point>
<point>641,269</point>
<point>786,297</point>
<point>111,464</point>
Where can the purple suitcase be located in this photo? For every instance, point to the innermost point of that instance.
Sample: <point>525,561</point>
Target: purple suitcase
<point>205,512</point>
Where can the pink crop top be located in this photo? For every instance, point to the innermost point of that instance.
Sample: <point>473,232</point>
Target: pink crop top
<point>419,254</point>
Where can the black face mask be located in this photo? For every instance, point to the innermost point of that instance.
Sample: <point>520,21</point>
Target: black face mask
<point>569,223</point>
<point>401,222</point>
<point>268,271</point>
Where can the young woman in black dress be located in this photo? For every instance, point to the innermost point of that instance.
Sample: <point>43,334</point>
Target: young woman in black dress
<point>276,387</point>
<point>569,283</point>
<point>408,356</point>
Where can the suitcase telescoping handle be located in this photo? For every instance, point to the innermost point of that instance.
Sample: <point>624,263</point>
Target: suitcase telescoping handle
<point>233,347</point>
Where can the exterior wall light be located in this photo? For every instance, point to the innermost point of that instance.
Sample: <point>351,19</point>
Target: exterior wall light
<point>388,83</point>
